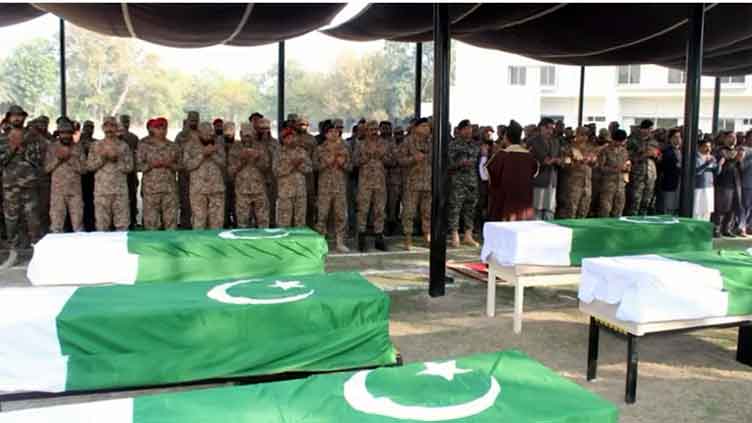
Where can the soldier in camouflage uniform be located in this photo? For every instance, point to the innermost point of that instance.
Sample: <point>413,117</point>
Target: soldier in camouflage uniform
<point>603,139</point>
<point>87,178</point>
<point>373,154</point>
<point>205,160</point>
<point>578,160</point>
<point>158,159</point>
<point>65,161</point>
<point>188,135</point>
<point>290,165</point>
<point>464,154</point>
<point>394,181</point>
<point>132,140</point>
<point>262,136</point>
<point>21,163</point>
<point>332,159</point>
<point>228,138</point>
<point>37,133</point>
<point>643,151</point>
<point>416,158</point>
<point>112,160</point>
<point>248,163</point>
<point>613,163</point>
<point>308,142</point>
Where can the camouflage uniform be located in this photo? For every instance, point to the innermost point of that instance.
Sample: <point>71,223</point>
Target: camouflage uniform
<point>207,185</point>
<point>111,184</point>
<point>87,184</point>
<point>611,162</point>
<point>21,170</point>
<point>394,185</point>
<point>182,140</point>
<point>371,158</point>
<point>159,186</point>
<point>642,177</point>
<point>308,142</point>
<point>332,186</point>
<point>291,184</point>
<point>250,183</point>
<point>418,184</point>
<point>132,140</point>
<point>464,183</point>
<point>65,192</point>
<point>272,147</point>
<point>576,186</point>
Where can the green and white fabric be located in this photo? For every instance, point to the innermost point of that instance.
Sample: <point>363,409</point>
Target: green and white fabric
<point>175,256</point>
<point>507,386</point>
<point>66,338</point>
<point>680,286</point>
<point>566,242</point>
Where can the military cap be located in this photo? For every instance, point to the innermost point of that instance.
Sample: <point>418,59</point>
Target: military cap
<point>246,128</point>
<point>156,122</point>
<point>301,119</point>
<point>399,129</point>
<point>110,120</point>
<point>646,124</point>
<point>59,119</point>
<point>65,126</point>
<point>619,135</point>
<point>385,123</point>
<point>287,132</point>
<point>88,123</point>
<point>372,124</point>
<point>487,129</point>
<point>228,125</point>
<point>421,121</point>
<point>255,114</point>
<point>464,124</point>
<point>264,121</point>
<point>292,117</point>
<point>193,115</point>
<point>218,120</point>
<point>326,126</point>
<point>15,109</point>
<point>44,119</point>
<point>603,133</point>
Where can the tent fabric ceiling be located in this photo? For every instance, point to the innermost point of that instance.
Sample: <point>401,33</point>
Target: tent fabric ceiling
<point>192,25</point>
<point>14,13</point>
<point>576,34</point>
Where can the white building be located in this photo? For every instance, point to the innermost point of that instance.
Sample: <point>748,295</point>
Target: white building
<point>492,88</point>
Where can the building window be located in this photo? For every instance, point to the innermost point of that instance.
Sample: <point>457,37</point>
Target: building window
<point>666,123</point>
<point>517,75</point>
<point>726,124</point>
<point>732,79</point>
<point>676,76</point>
<point>596,118</point>
<point>629,74</point>
<point>548,76</point>
<point>555,118</point>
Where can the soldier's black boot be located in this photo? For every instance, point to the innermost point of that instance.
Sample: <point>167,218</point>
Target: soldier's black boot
<point>379,242</point>
<point>362,242</point>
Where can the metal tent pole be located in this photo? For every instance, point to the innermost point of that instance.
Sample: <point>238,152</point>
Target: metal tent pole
<point>582,96</point>
<point>691,107</point>
<point>63,89</point>
<point>418,77</point>
<point>280,87</point>
<point>441,130</point>
<point>716,104</point>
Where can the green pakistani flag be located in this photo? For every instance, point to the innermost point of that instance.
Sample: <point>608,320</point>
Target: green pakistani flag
<point>67,338</point>
<point>507,386</point>
<point>677,286</point>
<point>175,256</point>
<point>566,242</point>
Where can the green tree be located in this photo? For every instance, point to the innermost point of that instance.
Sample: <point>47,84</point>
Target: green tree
<point>30,77</point>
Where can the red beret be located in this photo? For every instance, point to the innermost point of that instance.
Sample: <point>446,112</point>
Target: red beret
<point>160,121</point>
<point>287,131</point>
<point>217,120</point>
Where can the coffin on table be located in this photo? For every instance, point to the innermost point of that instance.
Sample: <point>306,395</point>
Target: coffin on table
<point>501,387</point>
<point>566,242</point>
<point>55,339</point>
<point>175,256</point>
<point>679,286</point>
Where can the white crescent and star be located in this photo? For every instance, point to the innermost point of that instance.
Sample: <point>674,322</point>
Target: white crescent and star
<point>357,395</point>
<point>650,220</point>
<point>264,234</point>
<point>219,293</point>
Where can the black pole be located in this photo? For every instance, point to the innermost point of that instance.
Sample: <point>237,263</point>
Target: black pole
<point>418,77</point>
<point>691,106</point>
<point>716,104</point>
<point>582,96</point>
<point>437,278</point>
<point>63,89</point>
<point>280,87</point>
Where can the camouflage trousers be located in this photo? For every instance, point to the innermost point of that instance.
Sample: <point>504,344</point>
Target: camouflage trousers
<point>414,200</point>
<point>184,185</point>
<point>291,211</point>
<point>73,205</point>
<point>310,199</point>
<point>271,195</point>
<point>231,217</point>
<point>462,201</point>
<point>44,204</point>
<point>575,202</point>
<point>373,199</point>
<point>256,205</point>
<point>132,197</point>
<point>393,199</point>
<point>611,200</point>
<point>640,197</point>
<point>161,209</point>
<point>112,209</point>
<point>208,210</point>
<point>336,204</point>
<point>18,202</point>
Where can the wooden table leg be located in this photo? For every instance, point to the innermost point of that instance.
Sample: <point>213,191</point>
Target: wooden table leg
<point>491,291</point>
<point>592,358</point>
<point>632,360</point>
<point>519,300</point>
<point>744,345</point>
